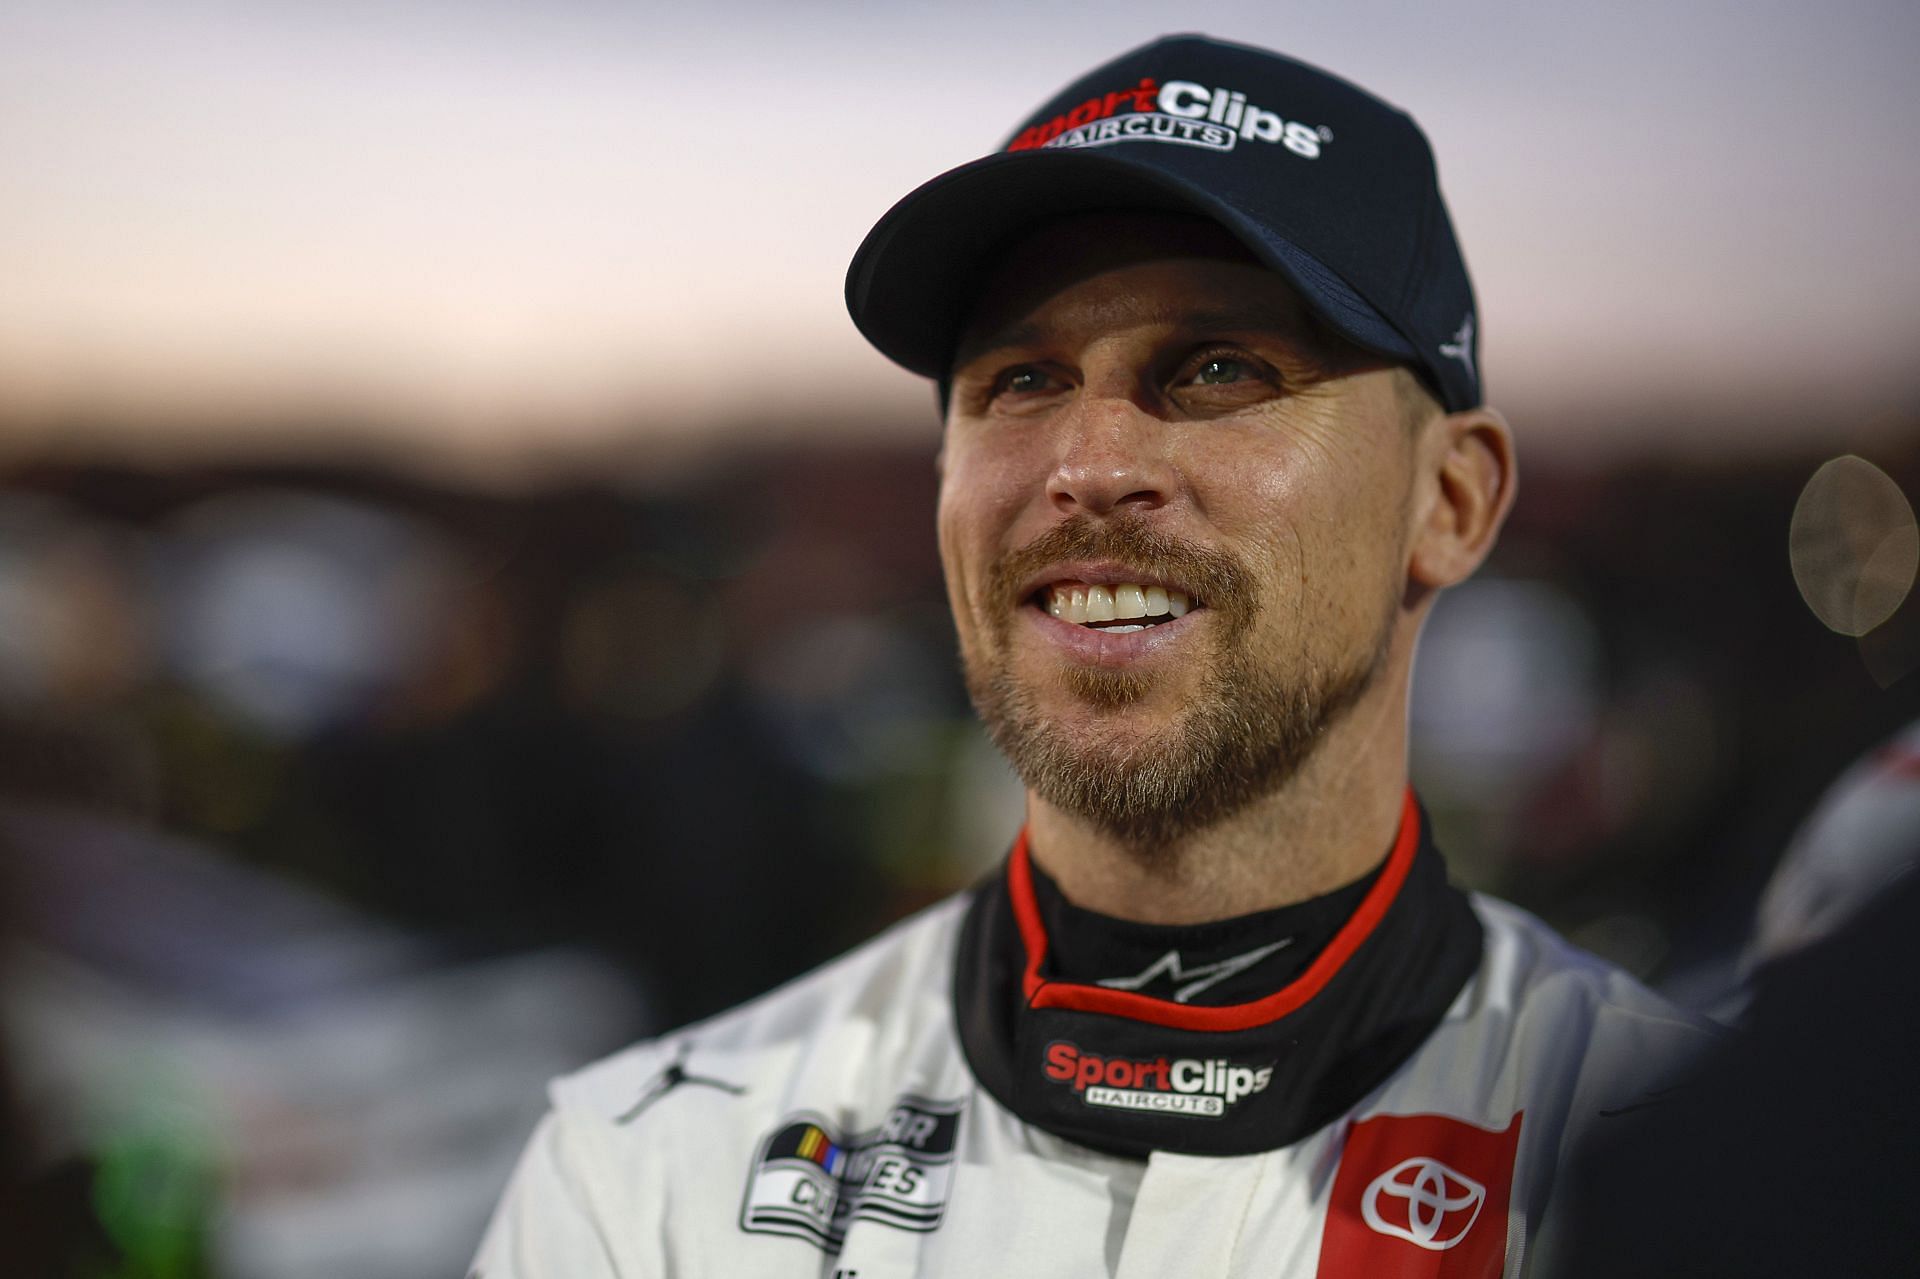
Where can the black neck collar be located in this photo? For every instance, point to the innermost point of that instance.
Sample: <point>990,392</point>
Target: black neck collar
<point>1129,1071</point>
<point>1227,961</point>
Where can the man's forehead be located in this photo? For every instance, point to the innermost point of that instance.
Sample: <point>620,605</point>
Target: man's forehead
<point>1208,280</point>
<point>1123,234</point>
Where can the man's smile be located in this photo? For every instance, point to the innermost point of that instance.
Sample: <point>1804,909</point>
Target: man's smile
<point>1117,609</point>
<point>1110,616</point>
<point>1112,595</point>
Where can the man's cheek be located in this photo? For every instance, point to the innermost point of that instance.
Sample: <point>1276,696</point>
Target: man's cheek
<point>952,562</point>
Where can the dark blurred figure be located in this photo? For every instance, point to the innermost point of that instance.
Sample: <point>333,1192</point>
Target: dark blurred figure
<point>1790,1150</point>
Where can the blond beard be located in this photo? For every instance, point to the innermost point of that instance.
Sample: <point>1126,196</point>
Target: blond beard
<point>1245,731</point>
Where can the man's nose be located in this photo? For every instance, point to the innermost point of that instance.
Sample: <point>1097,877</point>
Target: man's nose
<point>1110,454</point>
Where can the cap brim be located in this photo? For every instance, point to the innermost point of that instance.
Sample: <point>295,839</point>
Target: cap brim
<point>916,276</point>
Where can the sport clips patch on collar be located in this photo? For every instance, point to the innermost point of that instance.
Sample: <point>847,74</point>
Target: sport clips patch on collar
<point>1127,1071</point>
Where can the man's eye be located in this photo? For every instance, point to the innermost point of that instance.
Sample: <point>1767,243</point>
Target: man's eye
<point>1024,381</point>
<point>1220,371</point>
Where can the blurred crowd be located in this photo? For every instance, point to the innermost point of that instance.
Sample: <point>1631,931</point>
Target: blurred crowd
<point>340,809</point>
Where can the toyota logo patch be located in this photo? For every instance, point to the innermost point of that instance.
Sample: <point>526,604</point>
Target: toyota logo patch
<point>1420,1197</point>
<point>1424,1202</point>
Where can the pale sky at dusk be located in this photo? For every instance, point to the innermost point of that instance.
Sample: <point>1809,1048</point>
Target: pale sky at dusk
<point>499,227</point>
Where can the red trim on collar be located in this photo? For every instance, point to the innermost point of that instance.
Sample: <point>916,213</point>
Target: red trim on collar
<point>1042,993</point>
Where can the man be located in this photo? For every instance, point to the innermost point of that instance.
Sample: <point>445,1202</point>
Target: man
<point>1214,441</point>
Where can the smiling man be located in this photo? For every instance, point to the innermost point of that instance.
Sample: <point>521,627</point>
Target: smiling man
<point>1214,441</point>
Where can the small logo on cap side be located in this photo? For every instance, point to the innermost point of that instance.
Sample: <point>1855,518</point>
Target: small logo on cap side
<point>1461,348</point>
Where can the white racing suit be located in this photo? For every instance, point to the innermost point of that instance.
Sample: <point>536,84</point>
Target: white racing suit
<point>940,1102</point>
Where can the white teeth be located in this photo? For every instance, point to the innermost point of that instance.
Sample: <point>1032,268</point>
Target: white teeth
<point>1124,630</point>
<point>1120,602</point>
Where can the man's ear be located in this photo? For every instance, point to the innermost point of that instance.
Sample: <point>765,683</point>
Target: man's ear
<point>1468,460</point>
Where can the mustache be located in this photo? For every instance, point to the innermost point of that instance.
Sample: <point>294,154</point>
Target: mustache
<point>1212,577</point>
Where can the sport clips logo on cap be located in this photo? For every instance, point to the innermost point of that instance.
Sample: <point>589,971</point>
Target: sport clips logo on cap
<point>1178,111</point>
<point>1186,1087</point>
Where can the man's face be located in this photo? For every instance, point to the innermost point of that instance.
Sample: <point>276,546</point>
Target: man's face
<point>1141,415</point>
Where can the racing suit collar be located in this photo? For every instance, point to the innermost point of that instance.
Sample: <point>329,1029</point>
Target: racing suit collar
<point>1129,1072</point>
<point>1211,964</point>
<point>1043,993</point>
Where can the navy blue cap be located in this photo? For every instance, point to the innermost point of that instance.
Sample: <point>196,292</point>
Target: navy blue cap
<point>1319,179</point>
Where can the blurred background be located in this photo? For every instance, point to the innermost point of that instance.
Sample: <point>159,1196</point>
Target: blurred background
<point>468,596</point>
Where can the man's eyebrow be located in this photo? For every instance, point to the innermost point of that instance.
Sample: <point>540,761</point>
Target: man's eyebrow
<point>1226,319</point>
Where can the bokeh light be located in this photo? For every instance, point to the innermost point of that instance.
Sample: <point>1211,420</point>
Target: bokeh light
<point>1854,545</point>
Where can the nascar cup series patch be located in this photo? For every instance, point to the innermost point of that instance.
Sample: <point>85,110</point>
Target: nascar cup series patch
<point>809,1182</point>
